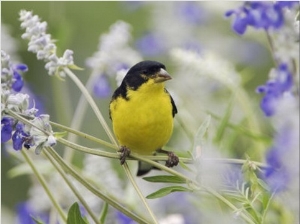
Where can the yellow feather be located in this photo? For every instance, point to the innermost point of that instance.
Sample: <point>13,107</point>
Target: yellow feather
<point>144,123</point>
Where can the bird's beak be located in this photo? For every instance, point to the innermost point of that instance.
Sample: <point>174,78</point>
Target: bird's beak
<point>162,76</point>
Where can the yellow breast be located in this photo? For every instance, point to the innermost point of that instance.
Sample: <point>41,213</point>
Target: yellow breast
<point>144,123</point>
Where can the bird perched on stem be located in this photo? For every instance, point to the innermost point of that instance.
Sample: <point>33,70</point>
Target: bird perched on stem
<point>142,112</point>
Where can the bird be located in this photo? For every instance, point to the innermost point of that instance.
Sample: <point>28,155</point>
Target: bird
<point>142,112</point>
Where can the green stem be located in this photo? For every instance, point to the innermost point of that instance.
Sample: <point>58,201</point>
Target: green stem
<point>272,48</point>
<point>44,185</point>
<point>92,104</point>
<point>71,186</point>
<point>104,213</point>
<point>80,148</point>
<point>267,208</point>
<point>84,135</point>
<point>156,158</point>
<point>238,161</point>
<point>126,168</point>
<point>104,196</point>
<point>79,114</point>
<point>98,152</point>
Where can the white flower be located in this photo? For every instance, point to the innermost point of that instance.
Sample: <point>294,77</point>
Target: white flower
<point>41,43</point>
<point>173,219</point>
<point>42,138</point>
<point>114,51</point>
<point>18,102</point>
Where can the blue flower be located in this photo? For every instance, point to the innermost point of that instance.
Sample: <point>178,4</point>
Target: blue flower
<point>151,45</point>
<point>240,22</point>
<point>278,175</point>
<point>18,79</point>
<point>18,82</point>
<point>102,87</point>
<point>263,15</point>
<point>123,219</point>
<point>274,89</point>
<point>6,129</point>
<point>190,12</point>
<point>19,137</point>
<point>25,214</point>
<point>192,45</point>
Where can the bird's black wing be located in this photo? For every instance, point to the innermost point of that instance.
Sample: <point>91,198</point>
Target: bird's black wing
<point>174,108</point>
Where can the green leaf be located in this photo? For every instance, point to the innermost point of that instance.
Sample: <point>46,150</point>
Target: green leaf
<point>60,134</point>
<point>201,132</point>
<point>74,67</point>
<point>243,131</point>
<point>74,215</point>
<point>104,212</point>
<point>224,123</point>
<point>37,221</point>
<point>184,166</point>
<point>165,179</point>
<point>167,190</point>
<point>263,185</point>
<point>24,169</point>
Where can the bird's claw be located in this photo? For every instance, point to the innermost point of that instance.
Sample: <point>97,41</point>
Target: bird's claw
<point>125,152</point>
<point>173,160</point>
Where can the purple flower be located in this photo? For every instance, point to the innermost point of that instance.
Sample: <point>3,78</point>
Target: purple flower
<point>18,79</point>
<point>151,45</point>
<point>6,129</point>
<point>19,137</point>
<point>123,219</point>
<point>259,15</point>
<point>190,12</point>
<point>274,89</point>
<point>192,45</point>
<point>25,214</point>
<point>278,174</point>
<point>102,87</point>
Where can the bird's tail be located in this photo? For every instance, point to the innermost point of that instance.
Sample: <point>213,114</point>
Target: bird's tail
<point>144,168</point>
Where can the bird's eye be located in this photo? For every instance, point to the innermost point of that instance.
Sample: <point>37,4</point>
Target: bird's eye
<point>145,72</point>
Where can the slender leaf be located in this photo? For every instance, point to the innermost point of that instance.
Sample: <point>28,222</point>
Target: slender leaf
<point>240,128</point>
<point>104,212</point>
<point>24,169</point>
<point>184,166</point>
<point>224,123</point>
<point>74,215</point>
<point>60,134</point>
<point>201,132</point>
<point>165,179</point>
<point>37,221</point>
<point>167,190</point>
<point>263,185</point>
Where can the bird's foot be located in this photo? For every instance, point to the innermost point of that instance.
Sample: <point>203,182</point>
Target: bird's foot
<point>125,152</point>
<point>173,160</point>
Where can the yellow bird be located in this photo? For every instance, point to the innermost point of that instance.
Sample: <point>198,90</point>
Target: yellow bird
<point>142,113</point>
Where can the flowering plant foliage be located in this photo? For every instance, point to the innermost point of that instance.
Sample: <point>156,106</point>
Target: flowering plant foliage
<point>225,154</point>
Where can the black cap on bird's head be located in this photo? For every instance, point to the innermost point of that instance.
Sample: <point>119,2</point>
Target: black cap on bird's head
<point>145,70</point>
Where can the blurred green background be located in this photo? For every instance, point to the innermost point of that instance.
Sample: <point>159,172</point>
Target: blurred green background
<point>77,26</point>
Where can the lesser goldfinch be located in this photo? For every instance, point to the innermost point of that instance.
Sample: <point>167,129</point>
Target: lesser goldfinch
<point>142,112</point>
